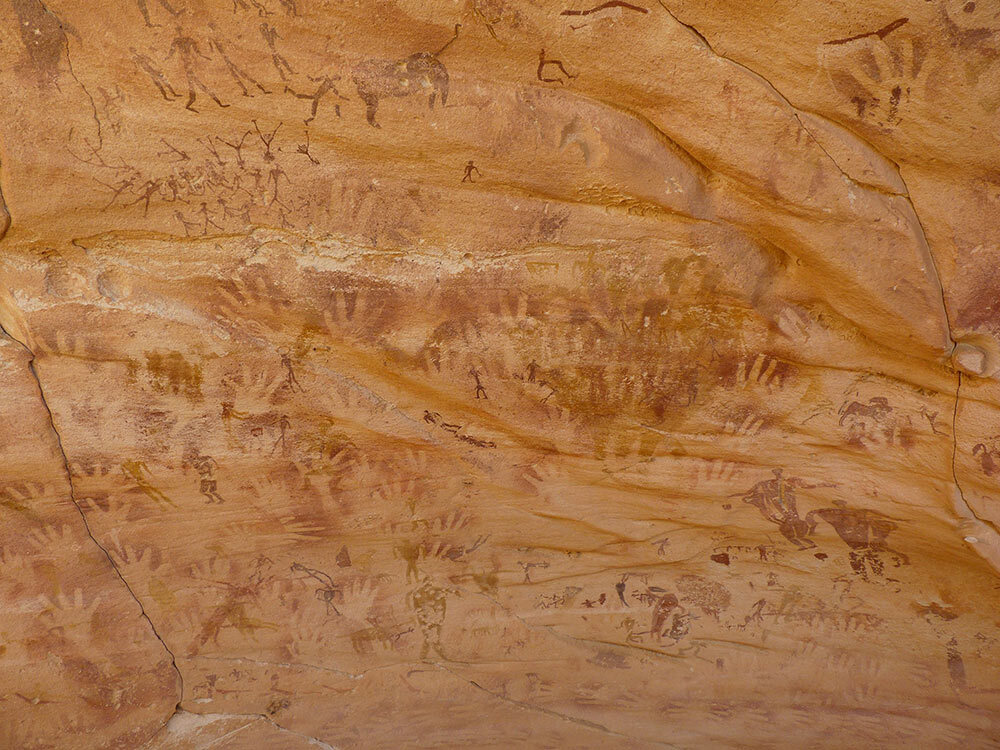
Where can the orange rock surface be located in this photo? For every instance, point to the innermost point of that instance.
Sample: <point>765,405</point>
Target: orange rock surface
<point>499,373</point>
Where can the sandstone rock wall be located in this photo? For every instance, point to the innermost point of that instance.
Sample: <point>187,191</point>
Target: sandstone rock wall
<point>499,373</point>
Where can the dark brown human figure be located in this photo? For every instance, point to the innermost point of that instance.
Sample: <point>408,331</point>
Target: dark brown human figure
<point>150,189</point>
<point>283,425</point>
<point>931,419</point>
<point>207,219</point>
<point>195,185</point>
<point>543,62</point>
<point>290,380</point>
<point>159,80</point>
<point>229,413</point>
<point>970,28</point>
<point>967,36</point>
<point>237,73</point>
<point>479,385</point>
<point>326,85</point>
<point>172,192</point>
<point>238,148</point>
<point>756,614</point>
<point>270,35</point>
<point>864,531</point>
<point>775,499</point>
<point>664,607</point>
<point>210,146</point>
<point>227,212</point>
<point>259,179</point>
<point>469,169</point>
<point>187,49</point>
<point>205,466</point>
<point>303,148</point>
<point>266,140</point>
<point>189,226</point>
<point>126,184</point>
<point>172,151</point>
<point>273,175</point>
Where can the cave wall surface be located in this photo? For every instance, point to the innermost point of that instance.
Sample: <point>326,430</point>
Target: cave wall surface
<point>499,373</point>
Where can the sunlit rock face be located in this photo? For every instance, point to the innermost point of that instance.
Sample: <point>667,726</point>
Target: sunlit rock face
<point>499,373</point>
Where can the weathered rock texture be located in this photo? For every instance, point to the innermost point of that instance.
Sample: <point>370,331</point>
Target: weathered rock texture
<point>499,373</point>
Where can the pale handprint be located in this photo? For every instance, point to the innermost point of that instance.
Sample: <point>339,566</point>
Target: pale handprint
<point>455,519</point>
<point>762,371</point>
<point>113,513</point>
<point>359,597</point>
<point>9,561</point>
<point>49,537</point>
<point>794,323</point>
<point>68,611</point>
<point>300,531</point>
<point>745,422</point>
<point>139,562</point>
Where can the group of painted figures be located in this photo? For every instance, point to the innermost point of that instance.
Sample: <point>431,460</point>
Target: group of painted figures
<point>865,531</point>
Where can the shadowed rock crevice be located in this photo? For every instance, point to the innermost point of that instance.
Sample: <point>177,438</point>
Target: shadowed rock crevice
<point>57,438</point>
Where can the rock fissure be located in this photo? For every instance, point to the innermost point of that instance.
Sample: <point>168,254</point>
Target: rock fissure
<point>931,270</point>
<point>966,510</point>
<point>57,437</point>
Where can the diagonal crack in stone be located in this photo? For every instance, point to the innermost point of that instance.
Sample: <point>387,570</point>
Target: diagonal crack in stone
<point>83,516</point>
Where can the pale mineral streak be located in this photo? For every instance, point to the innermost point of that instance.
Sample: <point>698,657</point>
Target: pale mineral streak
<point>499,373</point>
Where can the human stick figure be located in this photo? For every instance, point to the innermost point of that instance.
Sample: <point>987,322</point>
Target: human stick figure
<point>479,385</point>
<point>543,62</point>
<point>469,169</point>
